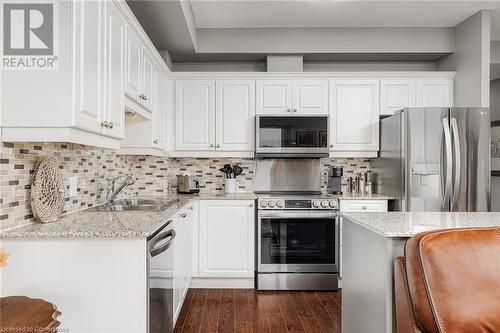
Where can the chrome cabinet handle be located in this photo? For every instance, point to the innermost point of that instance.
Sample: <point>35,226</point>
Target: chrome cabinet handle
<point>110,124</point>
<point>251,204</point>
<point>331,145</point>
<point>294,109</point>
<point>156,250</point>
<point>288,109</point>
<point>155,141</point>
<point>211,145</point>
<point>145,97</point>
<point>218,146</point>
<point>103,124</point>
<point>191,208</point>
<point>183,215</point>
<point>364,207</point>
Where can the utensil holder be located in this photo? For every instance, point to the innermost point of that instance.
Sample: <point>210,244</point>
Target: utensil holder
<point>231,185</point>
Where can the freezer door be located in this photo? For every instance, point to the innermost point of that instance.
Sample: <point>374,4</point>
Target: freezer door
<point>428,151</point>
<point>470,128</point>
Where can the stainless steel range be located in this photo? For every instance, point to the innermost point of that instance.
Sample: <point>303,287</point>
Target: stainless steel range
<point>298,232</point>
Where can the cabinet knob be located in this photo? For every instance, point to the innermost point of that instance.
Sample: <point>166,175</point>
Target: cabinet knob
<point>155,141</point>
<point>331,146</point>
<point>251,204</point>
<point>110,124</point>
<point>288,109</point>
<point>294,109</point>
<point>145,97</point>
<point>211,145</point>
<point>104,124</point>
<point>184,215</point>
<point>364,207</point>
<point>218,146</point>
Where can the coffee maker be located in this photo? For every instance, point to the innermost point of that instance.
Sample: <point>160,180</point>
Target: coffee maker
<point>336,180</point>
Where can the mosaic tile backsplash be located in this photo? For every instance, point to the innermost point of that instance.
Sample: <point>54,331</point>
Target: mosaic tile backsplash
<point>91,166</point>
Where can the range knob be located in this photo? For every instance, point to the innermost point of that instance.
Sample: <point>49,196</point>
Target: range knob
<point>263,203</point>
<point>324,204</point>
<point>279,204</point>
<point>332,203</point>
<point>271,203</point>
<point>315,203</point>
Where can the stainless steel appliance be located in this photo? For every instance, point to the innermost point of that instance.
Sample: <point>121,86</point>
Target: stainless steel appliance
<point>435,159</point>
<point>298,231</point>
<point>298,242</point>
<point>187,184</point>
<point>291,136</point>
<point>160,280</point>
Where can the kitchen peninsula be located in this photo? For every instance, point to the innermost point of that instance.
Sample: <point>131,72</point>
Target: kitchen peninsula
<point>370,243</point>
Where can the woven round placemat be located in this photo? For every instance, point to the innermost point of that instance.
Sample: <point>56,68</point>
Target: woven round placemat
<point>47,191</point>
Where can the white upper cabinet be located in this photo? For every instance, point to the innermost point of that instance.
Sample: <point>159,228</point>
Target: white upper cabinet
<point>134,66</point>
<point>396,95</point>
<point>89,55</point>
<point>160,113</point>
<point>149,81</point>
<point>310,97</point>
<point>354,115</point>
<point>115,70</point>
<point>292,96</point>
<point>435,93</point>
<point>274,96</point>
<point>195,114</point>
<point>226,238</point>
<point>235,115</point>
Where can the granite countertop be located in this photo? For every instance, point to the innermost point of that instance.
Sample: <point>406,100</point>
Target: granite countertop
<point>407,224</point>
<point>90,223</point>
<point>358,196</point>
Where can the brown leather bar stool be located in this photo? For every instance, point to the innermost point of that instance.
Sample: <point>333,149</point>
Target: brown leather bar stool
<point>23,314</point>
<point>449,281</point>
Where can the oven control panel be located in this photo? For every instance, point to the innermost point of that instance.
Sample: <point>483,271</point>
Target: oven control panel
<point>303,204</point>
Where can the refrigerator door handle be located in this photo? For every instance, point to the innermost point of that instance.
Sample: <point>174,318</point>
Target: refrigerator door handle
<point>449,165</point>
<point>456,153</point>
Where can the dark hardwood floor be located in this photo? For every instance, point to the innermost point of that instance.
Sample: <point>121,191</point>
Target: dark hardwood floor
<point>248,310</point>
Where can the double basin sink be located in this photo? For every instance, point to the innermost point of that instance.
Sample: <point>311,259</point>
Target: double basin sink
<point>137,204</point>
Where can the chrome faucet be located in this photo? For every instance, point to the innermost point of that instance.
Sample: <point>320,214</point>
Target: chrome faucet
<point>113,189</point>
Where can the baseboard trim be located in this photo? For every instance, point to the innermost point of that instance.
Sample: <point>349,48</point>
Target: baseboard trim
<point>223,283</point>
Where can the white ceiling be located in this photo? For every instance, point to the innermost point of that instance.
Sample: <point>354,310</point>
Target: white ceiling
<point>338,13</point>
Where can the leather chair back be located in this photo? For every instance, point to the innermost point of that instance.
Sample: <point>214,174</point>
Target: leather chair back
<point>449,281</point>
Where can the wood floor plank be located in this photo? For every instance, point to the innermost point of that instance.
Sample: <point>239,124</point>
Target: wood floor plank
<point>276,323</point>
<point>181,319</point>
<point>210,321</point>
<point>331,307</point>
<point>325,321</point>
<point>290,315</point>
<point>243,317</point>
<point>306,316</point>
<point>195,313</point>
<point>226,316</point>
<point>259,322</point>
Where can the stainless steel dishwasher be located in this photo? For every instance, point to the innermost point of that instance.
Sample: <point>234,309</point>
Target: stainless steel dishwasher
<point>160,279</point>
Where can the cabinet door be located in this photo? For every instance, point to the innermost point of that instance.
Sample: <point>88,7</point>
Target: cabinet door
<point>274,96</point>
<point>354,123</point>
<point>134,66</point>
<point>435,93</point>
<point>235,115</point>
<point>177,269</point>
<point>396,95</point>
<point>89,55</point>
<point>148,80</point>
<point>160,113</point>
<point>195,115</point>
<point>115,70</point>
<point>226,238</point>
<point>310,97</point>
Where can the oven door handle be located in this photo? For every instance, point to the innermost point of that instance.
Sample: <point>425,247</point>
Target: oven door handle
<point>297,214</point>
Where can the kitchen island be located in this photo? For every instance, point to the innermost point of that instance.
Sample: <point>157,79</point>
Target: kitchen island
<point>370,243</point>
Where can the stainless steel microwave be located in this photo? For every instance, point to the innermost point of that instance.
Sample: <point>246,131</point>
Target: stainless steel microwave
<point>291,136</point>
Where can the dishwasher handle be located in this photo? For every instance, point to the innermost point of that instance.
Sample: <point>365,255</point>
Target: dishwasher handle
<point>156,250</point>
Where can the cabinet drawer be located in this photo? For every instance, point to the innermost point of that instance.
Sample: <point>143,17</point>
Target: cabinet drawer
<point>363,205</point>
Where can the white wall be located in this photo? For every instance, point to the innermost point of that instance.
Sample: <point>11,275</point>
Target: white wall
<point>471,61</point>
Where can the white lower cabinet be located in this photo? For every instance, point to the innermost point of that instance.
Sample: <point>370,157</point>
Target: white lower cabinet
<point>363,205</point>
<point>226,238</point>
<point>183,225</point>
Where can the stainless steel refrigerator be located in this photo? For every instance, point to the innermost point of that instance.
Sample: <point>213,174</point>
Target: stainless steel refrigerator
<point>435,159</point>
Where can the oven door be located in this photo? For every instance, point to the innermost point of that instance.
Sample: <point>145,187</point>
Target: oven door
<point>298,241</point>
<point>291,136</point>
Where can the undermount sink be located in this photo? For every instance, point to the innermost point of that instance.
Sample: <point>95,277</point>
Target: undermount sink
<point>137,204</point>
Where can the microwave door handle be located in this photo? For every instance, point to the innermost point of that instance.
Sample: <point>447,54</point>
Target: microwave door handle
<point>156,250</point>
<point>449,165</point>
<point>456,153</point>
